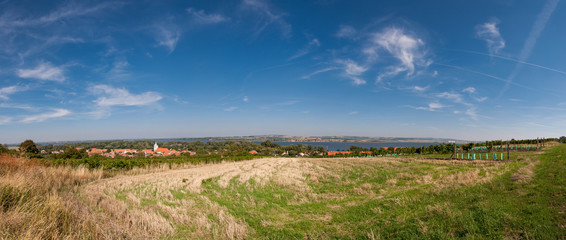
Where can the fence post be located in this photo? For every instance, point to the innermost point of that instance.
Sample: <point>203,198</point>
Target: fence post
<point>455,149</point>
<point>507,150</point>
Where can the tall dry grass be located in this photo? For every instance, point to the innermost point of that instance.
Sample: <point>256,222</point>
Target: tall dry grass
<point>39,202</point>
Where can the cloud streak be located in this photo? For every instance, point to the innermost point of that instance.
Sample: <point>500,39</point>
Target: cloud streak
<point>43,71</point>
<point>56,113</point>
<point>121,97</point>
<point>511,59</point>
<point>201,17</point>
<point>432,107</point>
<point>318,72</point>
<point>420,89</point>
<point>67,12</point>
<point>5,120</point>
<point>314,43</point>
<point>230,109</point>
<point>267,17</point>
<point>530,43</point>
<point>5,92</point>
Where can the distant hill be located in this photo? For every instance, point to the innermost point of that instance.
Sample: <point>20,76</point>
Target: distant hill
<point>285,138</point>
<point>276,138</point>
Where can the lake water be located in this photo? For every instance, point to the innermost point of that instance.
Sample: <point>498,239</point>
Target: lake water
<point>341,146</point>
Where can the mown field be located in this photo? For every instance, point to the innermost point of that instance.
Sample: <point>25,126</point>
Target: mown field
<point>300,198</point>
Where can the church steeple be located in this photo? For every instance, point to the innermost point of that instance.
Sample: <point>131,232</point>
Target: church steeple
<point>155,147</point>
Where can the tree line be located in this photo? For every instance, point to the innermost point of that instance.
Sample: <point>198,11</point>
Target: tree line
<point>75,154</point>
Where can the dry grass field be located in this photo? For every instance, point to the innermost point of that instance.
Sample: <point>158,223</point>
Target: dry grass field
<point>297,198</point>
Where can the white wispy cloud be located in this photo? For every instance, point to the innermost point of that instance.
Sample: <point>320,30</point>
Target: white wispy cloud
<point>469,90</point>
<point>5,92</point>
<point>432,107</point>
<point>472,113</point>
<point>15,106</point>
<point>353,70</point>
<point>473,93</point>
<point>55,113</point>
<point>353,113</point>
<point>74,10</point>
<point>471,109</point>
<point>246,99</point>
<point>43,71</point>
<point>201,17</point>
<point>230,109</point>
<point>319,72</point>
<point>119,70</point>
<point>346,31</point>
<point>23,34</point>
<point>409,50</point>
<point>531,41</point>
<point>5,120</point>
<point>314,43</point>
<point>43,43</point>
<point>68,11</point>
<point>490,33</point>
<point>167,36</point>
<point>111,96</point>
<point>420,89</point>
<point>287,103</point>
<point>455,97</point>
<point>267,17</point>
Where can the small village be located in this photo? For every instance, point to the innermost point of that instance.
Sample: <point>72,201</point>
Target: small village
<point>166,152</point>
<point>111,153</point>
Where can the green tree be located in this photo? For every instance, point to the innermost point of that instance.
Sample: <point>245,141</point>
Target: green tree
<point>29,148</point>
<point>3,149</point>
<point>562,139</point>
<point>73,153</point>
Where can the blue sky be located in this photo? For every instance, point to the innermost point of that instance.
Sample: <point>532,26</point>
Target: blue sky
<point>476,70</point>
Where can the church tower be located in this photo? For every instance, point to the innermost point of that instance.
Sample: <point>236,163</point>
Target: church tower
<point>155,147</point>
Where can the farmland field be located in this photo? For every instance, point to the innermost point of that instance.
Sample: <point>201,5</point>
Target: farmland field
<point>366,198</point>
